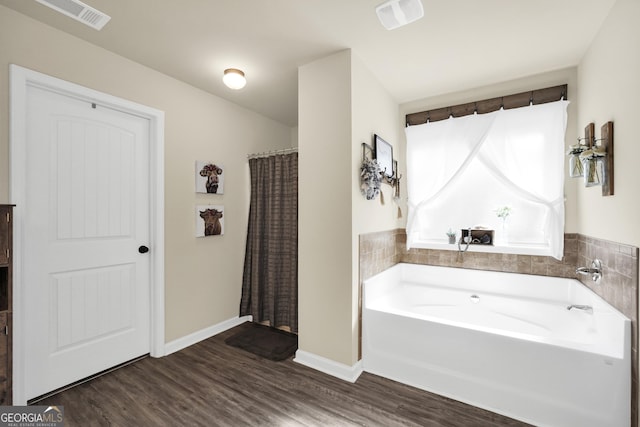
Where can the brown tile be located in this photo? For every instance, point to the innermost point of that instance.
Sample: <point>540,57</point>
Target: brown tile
<point>625,264</point>
<point>561,270</point>
<point>524,264</point>
<point>607,255</point>
<point>625,249</point>
<point>401,238</point>
<point>570,259</point>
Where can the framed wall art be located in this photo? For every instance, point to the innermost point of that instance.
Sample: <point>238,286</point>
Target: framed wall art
<point>384,155</point>
<point>209,220</point>
<point>209,177</point>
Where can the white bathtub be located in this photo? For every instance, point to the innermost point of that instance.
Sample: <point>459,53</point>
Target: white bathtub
<point>501,341</point>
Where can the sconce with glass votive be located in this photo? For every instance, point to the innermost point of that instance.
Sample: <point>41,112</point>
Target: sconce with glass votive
<point>593,160</point>
<point>575,165</point>
<point>593,166</point>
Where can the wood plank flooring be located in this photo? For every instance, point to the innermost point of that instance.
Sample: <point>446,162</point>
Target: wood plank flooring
<point>213,384</point>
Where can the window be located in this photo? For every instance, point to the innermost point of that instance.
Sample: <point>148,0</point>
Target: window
<point>460,170</point>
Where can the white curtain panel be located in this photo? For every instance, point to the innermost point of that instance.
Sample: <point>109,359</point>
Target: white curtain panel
<point>457,167</point>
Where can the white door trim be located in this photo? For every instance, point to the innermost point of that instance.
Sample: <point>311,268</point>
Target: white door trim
<point>20,79</point>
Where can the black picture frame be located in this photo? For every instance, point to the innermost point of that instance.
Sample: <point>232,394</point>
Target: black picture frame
<point>384,155</point>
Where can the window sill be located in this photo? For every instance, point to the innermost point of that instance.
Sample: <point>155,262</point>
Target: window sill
<point>519,249</point>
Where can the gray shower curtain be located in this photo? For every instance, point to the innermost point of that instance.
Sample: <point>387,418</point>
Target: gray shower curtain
<point>270,279</point>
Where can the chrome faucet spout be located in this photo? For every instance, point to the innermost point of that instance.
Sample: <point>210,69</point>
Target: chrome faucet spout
<point>585,308</point>
<point>585,271</point>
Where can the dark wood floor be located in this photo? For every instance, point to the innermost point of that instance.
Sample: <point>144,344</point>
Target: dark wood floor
<point>212,384</point>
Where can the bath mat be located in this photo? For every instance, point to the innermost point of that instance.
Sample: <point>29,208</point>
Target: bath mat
<point>270,343</point>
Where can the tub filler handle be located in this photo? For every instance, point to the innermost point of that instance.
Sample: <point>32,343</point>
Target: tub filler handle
<point>585,308</point>
<point>467,240</point>
<point>595,271</point>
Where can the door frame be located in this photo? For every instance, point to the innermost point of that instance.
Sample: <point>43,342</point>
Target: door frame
<point>20,78</point>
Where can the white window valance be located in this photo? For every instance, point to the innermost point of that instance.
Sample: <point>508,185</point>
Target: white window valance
<point>460,169</point>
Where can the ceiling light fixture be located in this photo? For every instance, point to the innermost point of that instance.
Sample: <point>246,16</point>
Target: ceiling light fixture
<point>396,13</point>
<point>234,78</point>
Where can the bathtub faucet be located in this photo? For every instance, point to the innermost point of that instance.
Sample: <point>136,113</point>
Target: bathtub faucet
<point>595,271</point>
<point>585,308</point>
<point>467,241</point>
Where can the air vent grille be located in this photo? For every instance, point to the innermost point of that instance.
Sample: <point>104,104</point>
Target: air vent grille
<point>79,11</point>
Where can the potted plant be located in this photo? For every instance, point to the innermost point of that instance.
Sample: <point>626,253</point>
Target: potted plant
<point>451,235</point>
<point>503,213</point>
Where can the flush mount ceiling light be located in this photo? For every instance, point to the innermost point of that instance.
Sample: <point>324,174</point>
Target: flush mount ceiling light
<point>234,78</point>
<point>79,11</point>
<point>396,13</point>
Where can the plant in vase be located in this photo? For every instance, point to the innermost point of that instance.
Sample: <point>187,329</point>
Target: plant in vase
<point>451,235</point>
<point>503,213</point>
<point>575,164</point>
<point>593,166</point>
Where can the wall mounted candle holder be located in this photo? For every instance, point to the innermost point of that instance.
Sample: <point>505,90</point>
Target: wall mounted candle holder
<point>592,158</point>
<point>606,138</point>
<point>575,164</point>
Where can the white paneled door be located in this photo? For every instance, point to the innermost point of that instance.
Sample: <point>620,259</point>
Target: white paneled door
<point>86,223</point>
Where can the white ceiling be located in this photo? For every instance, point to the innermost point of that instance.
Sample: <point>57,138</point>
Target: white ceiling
<point>459,44</point>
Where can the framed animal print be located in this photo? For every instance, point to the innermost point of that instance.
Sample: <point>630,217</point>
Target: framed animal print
<point>209,177</point>
<point>209,220</point>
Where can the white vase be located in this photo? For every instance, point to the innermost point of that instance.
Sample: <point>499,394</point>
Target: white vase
<point>502,237</point>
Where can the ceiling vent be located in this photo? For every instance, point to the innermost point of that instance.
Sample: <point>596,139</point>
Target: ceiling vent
<point>79,11</point>
<point>396,13</point>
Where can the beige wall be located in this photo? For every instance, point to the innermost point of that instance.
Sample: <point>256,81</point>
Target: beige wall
<point>374,111</point>
<point>324,233</point>
<point>608,89</point>
<point>203,276</point>
<point>538,81</point>
<point>340,106</point>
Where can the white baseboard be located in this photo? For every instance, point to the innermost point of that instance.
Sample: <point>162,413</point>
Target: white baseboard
<point>328,366</point>
<point>203,334</point>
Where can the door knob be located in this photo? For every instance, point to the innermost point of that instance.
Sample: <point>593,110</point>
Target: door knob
<point>143,249</point>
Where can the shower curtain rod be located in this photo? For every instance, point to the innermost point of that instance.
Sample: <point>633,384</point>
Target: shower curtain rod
<point>272,153</point>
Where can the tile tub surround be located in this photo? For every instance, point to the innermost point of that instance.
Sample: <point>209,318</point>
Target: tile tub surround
<point>377,252</point>
<point>619,287</point>
<point>619,284</point>
<point>381,250</point>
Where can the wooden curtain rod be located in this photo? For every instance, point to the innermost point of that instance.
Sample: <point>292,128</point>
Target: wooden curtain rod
<point>538,96</point>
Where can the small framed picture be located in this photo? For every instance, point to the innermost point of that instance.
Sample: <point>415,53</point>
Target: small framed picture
<point>209,177</point>
<point>384,155</point>
<point>209,220</point>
